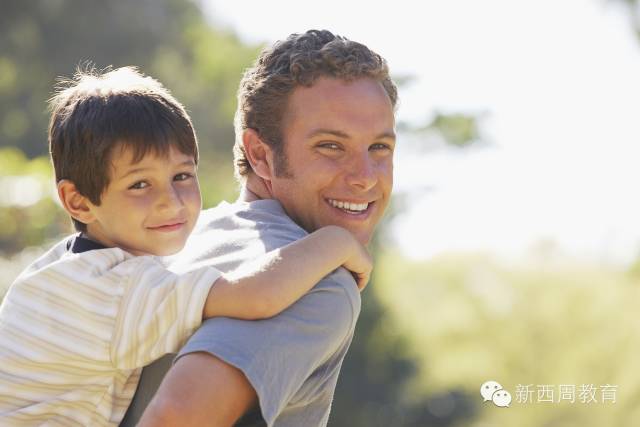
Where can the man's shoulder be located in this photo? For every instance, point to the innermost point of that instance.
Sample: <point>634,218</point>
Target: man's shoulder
<point>264,210</point>
<point>233,233</point>
<point>263,219</point>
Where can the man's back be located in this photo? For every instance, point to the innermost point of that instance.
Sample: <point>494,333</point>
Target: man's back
<point>292,360</point>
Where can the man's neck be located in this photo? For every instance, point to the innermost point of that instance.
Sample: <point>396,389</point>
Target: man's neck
<point>254,188</point>
<point>247,195</point>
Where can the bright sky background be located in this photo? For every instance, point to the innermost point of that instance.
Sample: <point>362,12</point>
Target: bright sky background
<point>557,83</point>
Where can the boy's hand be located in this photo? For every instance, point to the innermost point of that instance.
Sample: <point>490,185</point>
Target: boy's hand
<point>360,265</point>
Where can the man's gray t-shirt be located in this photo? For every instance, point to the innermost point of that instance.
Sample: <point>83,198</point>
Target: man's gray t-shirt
<point>293,359</point>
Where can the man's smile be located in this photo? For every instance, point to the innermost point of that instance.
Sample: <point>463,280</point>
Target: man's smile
<point>355,208</point>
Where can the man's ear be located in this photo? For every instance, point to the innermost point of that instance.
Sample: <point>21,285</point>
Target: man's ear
<point>75,203</point>
<point>258,153</point>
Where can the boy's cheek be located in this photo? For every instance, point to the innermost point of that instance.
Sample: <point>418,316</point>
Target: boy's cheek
<point>193,197</point>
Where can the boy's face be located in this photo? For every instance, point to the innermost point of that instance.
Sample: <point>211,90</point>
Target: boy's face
<point>149,207</point>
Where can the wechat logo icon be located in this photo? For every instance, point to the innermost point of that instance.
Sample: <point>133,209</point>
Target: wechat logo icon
<point>493,391</point>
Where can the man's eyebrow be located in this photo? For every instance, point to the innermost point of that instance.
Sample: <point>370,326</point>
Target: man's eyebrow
<point>189,162</point>
<point>321,131</point>
<point>387,135</point>
<point>340,134</point>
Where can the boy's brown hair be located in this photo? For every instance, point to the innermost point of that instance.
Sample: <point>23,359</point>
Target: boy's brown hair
<point>297,61</point>
<point>95,112</point>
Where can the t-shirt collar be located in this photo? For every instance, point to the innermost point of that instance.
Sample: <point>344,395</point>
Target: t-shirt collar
<point>80,244</point>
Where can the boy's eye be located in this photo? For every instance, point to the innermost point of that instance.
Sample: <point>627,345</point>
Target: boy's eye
<point>182,177</point>
<point>139,185</point>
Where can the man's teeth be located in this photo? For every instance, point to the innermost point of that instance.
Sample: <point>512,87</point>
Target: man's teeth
<point>356,207</point>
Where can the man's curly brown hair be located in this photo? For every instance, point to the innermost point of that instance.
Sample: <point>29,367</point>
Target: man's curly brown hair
<point>297,61</point>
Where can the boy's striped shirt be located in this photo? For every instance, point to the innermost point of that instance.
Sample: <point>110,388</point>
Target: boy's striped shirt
<point>75,329</point>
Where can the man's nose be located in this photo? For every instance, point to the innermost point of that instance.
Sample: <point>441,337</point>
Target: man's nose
<point>362,172</point>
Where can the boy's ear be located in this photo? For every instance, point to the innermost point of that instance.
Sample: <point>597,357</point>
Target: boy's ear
<point>74,203</point>
<point>259,154</point>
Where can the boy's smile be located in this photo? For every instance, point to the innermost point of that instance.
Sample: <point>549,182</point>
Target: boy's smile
<point>149,207</point>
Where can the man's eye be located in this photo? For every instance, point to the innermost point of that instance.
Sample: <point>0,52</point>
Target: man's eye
<point>139,185</point>
<point>329,145</point>
<point>182,176</point>
<point>381,146</point>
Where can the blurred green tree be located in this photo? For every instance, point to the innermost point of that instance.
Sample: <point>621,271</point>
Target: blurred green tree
<point>28,213</point>
<point>633,9</point>
<point>168,39</point>
<point>469,318</point>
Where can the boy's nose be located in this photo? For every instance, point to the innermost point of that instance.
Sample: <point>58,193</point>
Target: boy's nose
<point>170,200</point>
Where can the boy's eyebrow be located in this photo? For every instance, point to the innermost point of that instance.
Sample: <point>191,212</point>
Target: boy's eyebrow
<point>189,162</point>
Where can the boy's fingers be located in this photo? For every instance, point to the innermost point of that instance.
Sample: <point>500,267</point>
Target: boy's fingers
<point>362,280</point>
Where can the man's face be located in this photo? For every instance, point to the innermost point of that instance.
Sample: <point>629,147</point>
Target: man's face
<point>150,206</point>
<point>338,140</point>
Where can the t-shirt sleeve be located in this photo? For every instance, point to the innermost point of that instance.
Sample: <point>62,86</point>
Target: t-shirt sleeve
<point>158,311</point>
<point>292,359</point>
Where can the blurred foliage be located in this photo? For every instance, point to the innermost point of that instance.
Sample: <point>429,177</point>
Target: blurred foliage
<point>458,130</point>
<point>634,269</point>
<point>168,39</point>
<point>633,9</point>
<point>469,319</point>
<point>28,213</point>
<point>443,130</point>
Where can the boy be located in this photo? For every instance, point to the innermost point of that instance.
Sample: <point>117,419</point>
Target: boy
<point>79,323</point>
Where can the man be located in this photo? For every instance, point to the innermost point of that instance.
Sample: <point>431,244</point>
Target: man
<point>314,146</point>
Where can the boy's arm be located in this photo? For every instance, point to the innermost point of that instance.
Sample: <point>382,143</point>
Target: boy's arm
<point>284,275</point>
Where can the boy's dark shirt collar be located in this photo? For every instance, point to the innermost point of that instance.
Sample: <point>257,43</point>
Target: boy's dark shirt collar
<point>80,244</point>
